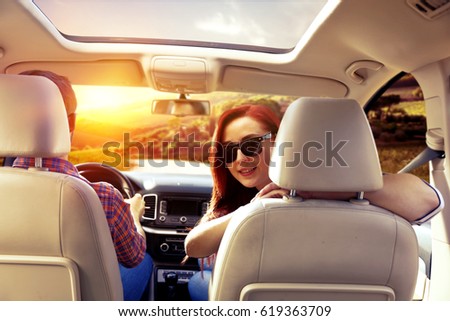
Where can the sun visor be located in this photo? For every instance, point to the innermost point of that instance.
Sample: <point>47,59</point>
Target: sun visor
<point>256,80</point>
<point>101,72</point>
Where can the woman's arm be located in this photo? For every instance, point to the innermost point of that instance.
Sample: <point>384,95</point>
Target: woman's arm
<point>204,239</point>
<point>406,195</point>
<point>403,194</point>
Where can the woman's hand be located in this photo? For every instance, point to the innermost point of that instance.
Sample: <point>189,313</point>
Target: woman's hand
<point>271,190</point>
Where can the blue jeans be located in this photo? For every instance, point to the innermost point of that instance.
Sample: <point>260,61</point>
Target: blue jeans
<point>199,283</point>
<point>136,280</point>
<point>198,286</point>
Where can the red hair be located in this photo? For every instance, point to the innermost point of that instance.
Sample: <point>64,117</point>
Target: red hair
<point>228,194</point>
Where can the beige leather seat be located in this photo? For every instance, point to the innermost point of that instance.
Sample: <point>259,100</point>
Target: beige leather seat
<point>294,249</point>
<point>55,243</point>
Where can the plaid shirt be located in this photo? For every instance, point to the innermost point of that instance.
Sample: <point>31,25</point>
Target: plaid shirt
<point>129,244</point>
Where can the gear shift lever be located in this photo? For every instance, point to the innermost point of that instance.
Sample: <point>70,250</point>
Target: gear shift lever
<point>171,280</point>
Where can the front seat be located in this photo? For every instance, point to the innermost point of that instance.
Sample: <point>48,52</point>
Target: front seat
<point>309,249</point>
<point>55,243</point>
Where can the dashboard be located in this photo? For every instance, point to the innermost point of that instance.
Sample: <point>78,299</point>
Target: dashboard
<point>174,202</point>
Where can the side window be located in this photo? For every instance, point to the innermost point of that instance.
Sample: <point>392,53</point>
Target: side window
<point>398,122</point>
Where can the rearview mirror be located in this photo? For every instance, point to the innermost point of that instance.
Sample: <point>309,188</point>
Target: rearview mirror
<point>181,107</point>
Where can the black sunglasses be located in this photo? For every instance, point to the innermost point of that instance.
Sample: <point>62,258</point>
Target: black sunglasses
<point>249,147</point>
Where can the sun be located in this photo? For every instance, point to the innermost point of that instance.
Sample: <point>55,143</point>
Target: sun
<point>99,97</point>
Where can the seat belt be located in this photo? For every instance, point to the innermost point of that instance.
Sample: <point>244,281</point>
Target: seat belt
<point>425,156</point>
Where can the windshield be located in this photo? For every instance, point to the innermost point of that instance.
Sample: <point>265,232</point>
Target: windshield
<point>115,126</point>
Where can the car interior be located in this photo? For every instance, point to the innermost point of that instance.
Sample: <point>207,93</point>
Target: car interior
<point>153,77</point>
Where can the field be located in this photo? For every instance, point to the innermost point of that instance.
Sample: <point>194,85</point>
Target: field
<point>394,157</point>
<point>399,130</point>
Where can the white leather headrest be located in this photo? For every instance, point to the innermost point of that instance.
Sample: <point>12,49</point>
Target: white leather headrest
<point>33,120</point>
<point>325,144</point>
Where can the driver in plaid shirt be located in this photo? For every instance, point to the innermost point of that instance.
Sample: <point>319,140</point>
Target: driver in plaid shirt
<point>129,244</point>
<point>123,217</point>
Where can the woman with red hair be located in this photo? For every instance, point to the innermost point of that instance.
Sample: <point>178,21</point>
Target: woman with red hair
<point>240,171</point>
<point>254,127</point>
<point>240,168</point>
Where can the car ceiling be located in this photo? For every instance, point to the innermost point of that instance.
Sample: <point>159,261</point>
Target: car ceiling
<point>376,39</point>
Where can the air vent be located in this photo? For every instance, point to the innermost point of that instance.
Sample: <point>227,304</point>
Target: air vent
<point>150,207</point>
<point>205,207</point>
<point>430,9</point>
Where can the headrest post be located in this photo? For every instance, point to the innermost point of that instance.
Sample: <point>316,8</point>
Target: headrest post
<point>38,162</point>
<point>360,200</point>
<point>38,165</point>
<point>292,193</point>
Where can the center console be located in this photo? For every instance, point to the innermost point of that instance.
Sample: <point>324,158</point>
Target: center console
<point>172,284</point>
<point>174,210</point>
<point>167,219</point>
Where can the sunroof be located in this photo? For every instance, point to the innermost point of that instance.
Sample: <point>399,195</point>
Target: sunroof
<point>261,25</point>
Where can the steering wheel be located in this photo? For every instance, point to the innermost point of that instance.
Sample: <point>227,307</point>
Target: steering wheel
<point>96,172</point>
